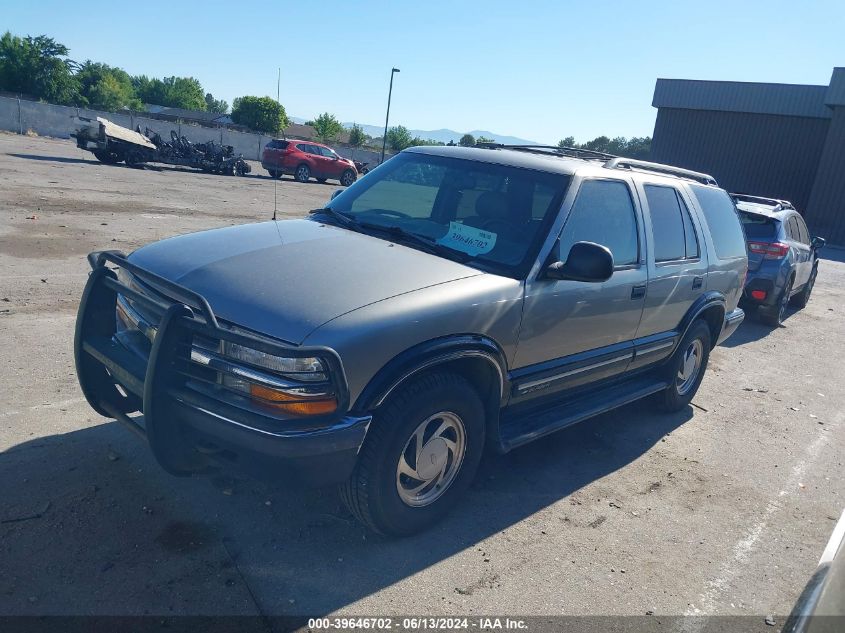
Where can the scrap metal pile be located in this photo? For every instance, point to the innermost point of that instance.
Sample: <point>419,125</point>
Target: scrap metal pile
<point>112,143</point>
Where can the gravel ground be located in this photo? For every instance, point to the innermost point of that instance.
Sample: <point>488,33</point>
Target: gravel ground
<point>722,509</point>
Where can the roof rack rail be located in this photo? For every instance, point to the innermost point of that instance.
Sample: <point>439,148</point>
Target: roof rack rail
<point>631,163</point>
<point>744,197</point>
<point>571,152</point>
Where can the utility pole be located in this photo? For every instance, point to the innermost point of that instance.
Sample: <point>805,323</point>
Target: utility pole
<point>387,116</point>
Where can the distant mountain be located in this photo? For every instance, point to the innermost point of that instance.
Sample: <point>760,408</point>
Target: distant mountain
<point>443,135</point>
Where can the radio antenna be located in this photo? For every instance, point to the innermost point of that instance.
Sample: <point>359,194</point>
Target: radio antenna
<point>276,180</point>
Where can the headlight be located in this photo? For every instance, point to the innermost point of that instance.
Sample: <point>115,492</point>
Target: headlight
<point>307,369</point>
<point>282,384</point>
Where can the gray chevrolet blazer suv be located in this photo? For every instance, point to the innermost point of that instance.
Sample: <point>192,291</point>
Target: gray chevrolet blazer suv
<point>451,300</point>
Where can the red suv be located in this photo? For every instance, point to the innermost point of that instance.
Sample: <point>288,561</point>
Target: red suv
<point>304,159</point>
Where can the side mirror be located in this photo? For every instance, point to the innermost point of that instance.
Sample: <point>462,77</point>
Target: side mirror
<point>818,242</point>
<point>336,193</point>
<point>586,261</point>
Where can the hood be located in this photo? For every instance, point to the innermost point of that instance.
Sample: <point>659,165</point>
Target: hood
<point>286,278</point>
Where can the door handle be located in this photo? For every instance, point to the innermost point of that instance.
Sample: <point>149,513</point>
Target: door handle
<point>697,282</point>
<point>638,292</point>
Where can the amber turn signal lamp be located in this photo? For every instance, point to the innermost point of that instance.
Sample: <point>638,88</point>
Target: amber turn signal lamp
<point>296,405</point>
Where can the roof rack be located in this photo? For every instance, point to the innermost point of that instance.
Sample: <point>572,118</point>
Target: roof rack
<point>571,152</point>
<point>778,204</point>
<point>630,163</point>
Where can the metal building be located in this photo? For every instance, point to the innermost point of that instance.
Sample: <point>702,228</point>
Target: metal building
<point>776,140</point>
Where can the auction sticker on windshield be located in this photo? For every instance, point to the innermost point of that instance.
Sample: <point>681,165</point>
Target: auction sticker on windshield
<point>468,239</point>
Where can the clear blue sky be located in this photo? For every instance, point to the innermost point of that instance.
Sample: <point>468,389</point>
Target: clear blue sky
<point>539,70</point>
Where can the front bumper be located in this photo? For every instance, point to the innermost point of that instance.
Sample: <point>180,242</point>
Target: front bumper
<point>733,320</point>
<point>183,426</point>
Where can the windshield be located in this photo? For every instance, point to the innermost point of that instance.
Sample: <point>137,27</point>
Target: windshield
<point>492,215</point>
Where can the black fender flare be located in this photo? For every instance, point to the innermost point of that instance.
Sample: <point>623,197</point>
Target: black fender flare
<point>430,354</point>
<point>706,301</point>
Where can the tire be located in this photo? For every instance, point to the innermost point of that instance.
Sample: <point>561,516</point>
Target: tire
<point>303,173</point>
<point>773,316</point>
<point>685,378</point>
<point>348,177</point>
<point>392,496</point>
<point>109,158</point>
<point>803,298</point>
<point>275,174</point>
<point>132,159</point>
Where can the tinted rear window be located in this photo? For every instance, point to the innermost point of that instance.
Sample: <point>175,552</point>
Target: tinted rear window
<point>277,144</point>
<point>757,226</point>
<point>722,220</point>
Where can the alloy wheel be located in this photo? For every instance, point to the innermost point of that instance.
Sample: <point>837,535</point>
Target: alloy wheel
<point>690,367</point>
<point>431,459</point>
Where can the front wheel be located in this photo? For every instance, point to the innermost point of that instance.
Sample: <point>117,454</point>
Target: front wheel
<point>420,455</point>
<point>303,173</point>
<point>347,178</point>
<point>686,368</point>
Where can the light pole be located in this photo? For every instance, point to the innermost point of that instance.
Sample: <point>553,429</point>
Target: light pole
<point>387,116</point>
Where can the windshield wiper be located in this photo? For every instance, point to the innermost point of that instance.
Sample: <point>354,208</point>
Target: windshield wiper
<point>343,219</point>
<point>401,235</point>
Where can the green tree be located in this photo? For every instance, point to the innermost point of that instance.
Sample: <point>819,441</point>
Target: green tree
<point>398,138</point>
<point>467,140</point>
<point>215,105</point>
<point>104,87</point>
<point>38,66</point>
<point>184,92</point>
<point>327,127</point>
<point>569,141</point>
<point>261,114</point>
<point>417,141</point>
<point>639,147</point>
<point>171,92</point>
<point>356,137</point>
<point>484,139</point>
<point>149,90</point>
<point>598,144</point>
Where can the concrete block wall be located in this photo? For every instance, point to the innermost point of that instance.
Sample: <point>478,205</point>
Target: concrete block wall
<point>58,121</point>
<point>47,119</point>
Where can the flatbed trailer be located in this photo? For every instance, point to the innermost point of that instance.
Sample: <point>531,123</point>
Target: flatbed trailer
<point>113,144</point>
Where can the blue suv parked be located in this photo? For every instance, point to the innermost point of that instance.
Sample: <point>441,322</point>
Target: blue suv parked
<point>782,258</point>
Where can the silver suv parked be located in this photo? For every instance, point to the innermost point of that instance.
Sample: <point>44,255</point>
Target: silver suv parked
<point>453,299</point>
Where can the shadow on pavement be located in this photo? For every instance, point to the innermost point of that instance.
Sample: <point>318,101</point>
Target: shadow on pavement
<point>55,159</point>
<point>92,525</point>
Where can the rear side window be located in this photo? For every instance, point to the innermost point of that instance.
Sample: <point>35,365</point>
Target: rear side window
<point>303,147</point>
<point>603,213</point>
<point>278,144</point>
<point>722,220</point>
<point>802,230</point>
<point>758,226</point>
<point>795,229</point>
<point>674,236</point>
